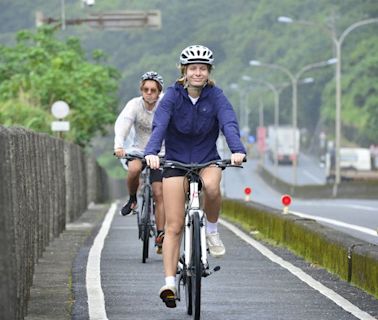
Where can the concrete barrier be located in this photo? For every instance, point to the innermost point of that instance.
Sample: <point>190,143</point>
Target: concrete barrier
<point>365,189</point>
<point>45,183</point>
<point>351,259</point>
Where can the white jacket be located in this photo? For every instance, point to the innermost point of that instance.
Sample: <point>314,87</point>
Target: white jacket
<point>134,117</point>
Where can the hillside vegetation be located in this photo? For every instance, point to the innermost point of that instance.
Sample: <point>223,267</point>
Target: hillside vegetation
<point>237,31</point>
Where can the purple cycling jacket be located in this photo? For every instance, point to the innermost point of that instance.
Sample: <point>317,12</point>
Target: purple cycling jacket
<point>191,131</point>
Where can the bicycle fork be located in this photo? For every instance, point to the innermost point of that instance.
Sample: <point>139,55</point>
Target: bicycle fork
<point>195,207</point>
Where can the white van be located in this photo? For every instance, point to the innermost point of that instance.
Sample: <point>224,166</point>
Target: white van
<point>355,158</point>
<point>352,161</point>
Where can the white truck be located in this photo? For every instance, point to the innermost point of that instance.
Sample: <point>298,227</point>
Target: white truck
<point>283,144</point>
<point>355,164</point>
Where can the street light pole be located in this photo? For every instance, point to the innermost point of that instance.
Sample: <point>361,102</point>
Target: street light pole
<point>235,86</point>
<point>276,115</point>
<point>294,83</point>
<point>294,106</point>
<point>63,12</point>
<point>337,45</point>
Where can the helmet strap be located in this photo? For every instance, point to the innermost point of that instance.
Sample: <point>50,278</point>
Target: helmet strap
<point>187,85</point>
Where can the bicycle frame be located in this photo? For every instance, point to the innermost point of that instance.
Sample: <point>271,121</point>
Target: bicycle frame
<point>194,206</point>
<point>193,264</point>
<point>145,215</point>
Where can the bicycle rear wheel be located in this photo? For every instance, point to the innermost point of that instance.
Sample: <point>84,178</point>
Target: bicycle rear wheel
<point>196,266</point>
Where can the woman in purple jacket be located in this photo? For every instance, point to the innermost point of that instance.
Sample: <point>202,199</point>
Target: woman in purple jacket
<point>189,118</point>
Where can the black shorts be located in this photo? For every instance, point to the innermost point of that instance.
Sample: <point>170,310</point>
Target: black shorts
<point>156,175</point>
<point>174,172</point>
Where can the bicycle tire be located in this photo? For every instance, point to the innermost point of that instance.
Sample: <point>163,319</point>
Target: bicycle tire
<point>196,266</point>
<point>146,223</point>
<point>188,293</point>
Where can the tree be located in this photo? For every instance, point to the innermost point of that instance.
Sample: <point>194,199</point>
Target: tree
<point>40,69</point>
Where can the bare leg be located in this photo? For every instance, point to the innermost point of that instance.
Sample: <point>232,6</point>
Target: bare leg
<point>135,168</point>
<point>157,189</point>
<point>174,200</point>
<point>211,177</point>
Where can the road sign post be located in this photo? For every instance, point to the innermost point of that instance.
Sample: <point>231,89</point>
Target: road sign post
<point>60,110</point>
<point>113,20</point>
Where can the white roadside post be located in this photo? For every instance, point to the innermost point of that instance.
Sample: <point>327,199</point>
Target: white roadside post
<point>60,110</point>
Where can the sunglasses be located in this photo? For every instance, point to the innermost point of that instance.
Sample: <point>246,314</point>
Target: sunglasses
<point>152,90</point>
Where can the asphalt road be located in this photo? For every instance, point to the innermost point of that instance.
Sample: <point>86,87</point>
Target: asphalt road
<point>356,217</point>
<point>255,282</point>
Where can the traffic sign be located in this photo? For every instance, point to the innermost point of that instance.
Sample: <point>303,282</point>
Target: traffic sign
<point>117,20</point>
<point>60,126</point>
<point>286,200</point>
<point>60,109</point>
<point>113,20</point>
<point>247,192</point>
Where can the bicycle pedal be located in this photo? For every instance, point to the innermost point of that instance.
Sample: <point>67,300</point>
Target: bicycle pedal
<point>208,272</point>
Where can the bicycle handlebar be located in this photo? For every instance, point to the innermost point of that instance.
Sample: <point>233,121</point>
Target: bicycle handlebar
<point>222,163</point>
<point>130,157</point>
<point>191,166</point>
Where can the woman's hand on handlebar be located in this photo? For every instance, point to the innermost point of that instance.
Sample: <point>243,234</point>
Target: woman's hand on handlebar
<point>237,158</point>
<point>119,152</point>
<point>153,161</point>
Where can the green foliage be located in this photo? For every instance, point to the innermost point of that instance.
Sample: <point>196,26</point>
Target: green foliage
<point>49,70</point>
<point>113,166</point>
<point>237,31</point>
<point>23,113</point>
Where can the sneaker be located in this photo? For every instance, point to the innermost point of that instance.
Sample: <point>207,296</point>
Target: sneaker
<point>168,295</point>
<point>215,245</point>
<point>159,242</point>
<point>129,208</point>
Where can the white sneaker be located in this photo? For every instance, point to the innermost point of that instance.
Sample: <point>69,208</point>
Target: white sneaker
<point>215,244</point>
<point>168,295</point>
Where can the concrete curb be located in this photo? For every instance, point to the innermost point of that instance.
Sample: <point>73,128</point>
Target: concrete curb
<point>51,293</point>
<point>353,260</point>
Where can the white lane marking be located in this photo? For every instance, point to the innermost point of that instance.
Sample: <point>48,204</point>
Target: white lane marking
<point>311,176</point>
<point>360,207</point>
<point>330,294</point>
<point>125,228</point>
<point>345,205</point>
<point>368,231</point>
<point>96,301</point>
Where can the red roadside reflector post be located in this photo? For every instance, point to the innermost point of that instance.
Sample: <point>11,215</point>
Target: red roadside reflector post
<point>247,192</point>
<point>286,201</point>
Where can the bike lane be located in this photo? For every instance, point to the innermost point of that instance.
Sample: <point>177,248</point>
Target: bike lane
<point>248,286</point>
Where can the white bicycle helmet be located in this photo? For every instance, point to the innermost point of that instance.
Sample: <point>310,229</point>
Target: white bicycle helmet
<point>196,54</point>
<point>152,75</point>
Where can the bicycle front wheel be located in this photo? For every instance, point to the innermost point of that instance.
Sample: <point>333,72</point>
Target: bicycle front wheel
<point>188,293</point>
<point>146,225</point>
<point>196,266</point>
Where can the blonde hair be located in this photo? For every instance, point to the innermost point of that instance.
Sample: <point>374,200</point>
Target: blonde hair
<point>182,78</point>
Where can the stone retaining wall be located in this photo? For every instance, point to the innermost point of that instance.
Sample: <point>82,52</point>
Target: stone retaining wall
<point>44,183</point>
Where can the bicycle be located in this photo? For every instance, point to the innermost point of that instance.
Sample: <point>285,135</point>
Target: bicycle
<point>193,263</point>
<point>146,214</point>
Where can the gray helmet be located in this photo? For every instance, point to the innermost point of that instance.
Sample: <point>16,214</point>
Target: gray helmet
<point>152,75</point>
<point>196,54</point>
